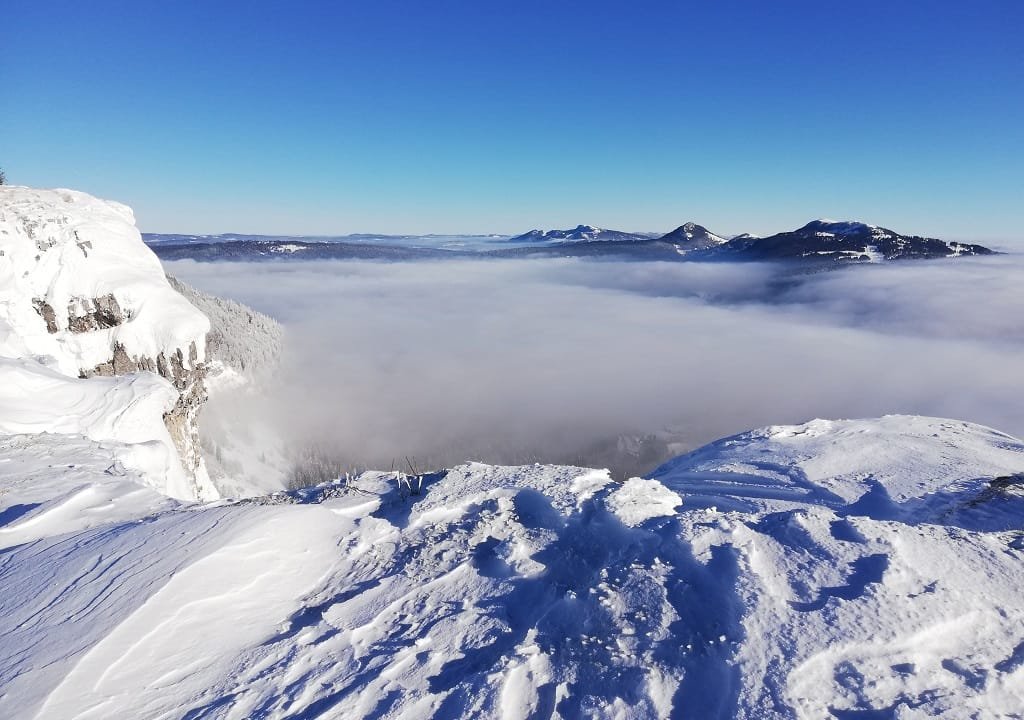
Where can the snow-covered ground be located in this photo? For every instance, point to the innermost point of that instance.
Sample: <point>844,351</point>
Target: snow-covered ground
<point>833,569</point>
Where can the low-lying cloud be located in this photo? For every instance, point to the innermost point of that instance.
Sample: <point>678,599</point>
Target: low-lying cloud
<point>550,360</point>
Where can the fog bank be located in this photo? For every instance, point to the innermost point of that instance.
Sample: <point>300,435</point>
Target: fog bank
<point>551,360</point>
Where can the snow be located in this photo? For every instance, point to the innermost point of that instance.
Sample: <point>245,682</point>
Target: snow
<point>639,500</point>
<point>874,254</point>
<point>841,227</point>
<point>829,569</point>
<point>126,410</point>
<point>243,353</point>
<point>692,230</point>
<point>580,233</point>
<point>833,462</point>
<point>251,577</point>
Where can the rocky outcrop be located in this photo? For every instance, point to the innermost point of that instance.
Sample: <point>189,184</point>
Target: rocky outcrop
<point>86,314</point>
<point>182,421</point>
<point>48,315</point>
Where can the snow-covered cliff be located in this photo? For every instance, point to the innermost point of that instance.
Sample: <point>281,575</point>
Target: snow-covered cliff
<point>84,305</point>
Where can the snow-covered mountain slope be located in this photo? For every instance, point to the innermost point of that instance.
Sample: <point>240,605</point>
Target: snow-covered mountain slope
<point>82,297</point>
<point>831,240</point>
<point>241,341</point>
<point>835,569</point>
<point>579,233</point>
<point>821,243</point>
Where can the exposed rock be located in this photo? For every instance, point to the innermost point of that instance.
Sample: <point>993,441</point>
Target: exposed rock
<point>183,420</point>
<point>84,245</point>
<point>45,311</point>
<point>243,350</point>
<point>98,313</point>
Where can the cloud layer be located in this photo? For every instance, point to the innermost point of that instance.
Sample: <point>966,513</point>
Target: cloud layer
<point>509,361</point>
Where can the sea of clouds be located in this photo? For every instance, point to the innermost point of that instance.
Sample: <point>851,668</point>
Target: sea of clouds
<point>554,360</point>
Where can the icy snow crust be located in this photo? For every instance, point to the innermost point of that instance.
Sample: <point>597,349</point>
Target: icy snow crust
<point>835,569</point>
<point>63,249</point>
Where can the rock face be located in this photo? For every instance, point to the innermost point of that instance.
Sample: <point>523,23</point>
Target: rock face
<point>82,295</point>
<point>188,378</point>
<point>94,314</point>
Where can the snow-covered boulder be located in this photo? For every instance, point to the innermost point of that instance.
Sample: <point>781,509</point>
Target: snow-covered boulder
<point>82,296</point>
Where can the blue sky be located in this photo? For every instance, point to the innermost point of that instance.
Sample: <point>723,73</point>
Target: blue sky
<point>320,118</point>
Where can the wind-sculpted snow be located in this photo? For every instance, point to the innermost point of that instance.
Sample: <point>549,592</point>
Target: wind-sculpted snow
<point>125,412</point>
<point>834,569</point>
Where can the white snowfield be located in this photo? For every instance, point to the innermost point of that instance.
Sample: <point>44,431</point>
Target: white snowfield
<point>76,282</point>
<point>846,569</point>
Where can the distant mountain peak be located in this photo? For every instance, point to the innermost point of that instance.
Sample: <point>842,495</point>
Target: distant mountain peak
<point>580,233</point>
<point>839,227</point>
<point>848,240</point>
<point>691,236</point>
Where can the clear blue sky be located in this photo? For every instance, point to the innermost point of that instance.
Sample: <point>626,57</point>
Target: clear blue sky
<point>336,117</point>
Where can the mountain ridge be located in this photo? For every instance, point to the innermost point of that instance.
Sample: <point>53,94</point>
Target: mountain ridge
<point>819,241</point>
